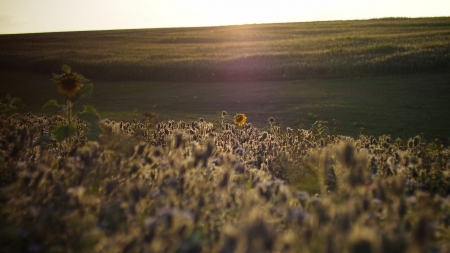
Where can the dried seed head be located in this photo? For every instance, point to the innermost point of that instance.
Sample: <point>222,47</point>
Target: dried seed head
<point>69,84</point>
<point>240,151</point>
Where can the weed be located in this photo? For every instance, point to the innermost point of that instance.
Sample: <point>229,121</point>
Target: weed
<point>10,105</point>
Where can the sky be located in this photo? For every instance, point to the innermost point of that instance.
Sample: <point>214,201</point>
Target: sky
<point>37,16</point>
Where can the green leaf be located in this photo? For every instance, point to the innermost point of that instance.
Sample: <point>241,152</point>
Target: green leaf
<point>82,79</point>
<point>17,102</point>
<point>42,139</point>
<point>52,107</point>
<point>8,98</point>
<point>86,90</point>
<point>56,77</point>
<point>61,132</point>
<point>66,69</point>
<point>4,109</point>
<point>94,133</point>
<point>90,115</point>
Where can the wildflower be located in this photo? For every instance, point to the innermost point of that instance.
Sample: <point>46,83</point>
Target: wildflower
<point>271,120</point>
<point>239,119</point>
<point>224,113</point>
<point>69,84</point>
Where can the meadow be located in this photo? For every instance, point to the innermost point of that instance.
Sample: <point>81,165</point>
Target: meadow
<point>358,162</point>
<point>240,53</point>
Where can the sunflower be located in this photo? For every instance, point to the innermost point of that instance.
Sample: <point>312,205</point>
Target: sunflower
<point>69,84</point>
<point>239,119</point>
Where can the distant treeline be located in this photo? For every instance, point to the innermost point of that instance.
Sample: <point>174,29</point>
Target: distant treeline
<point>332,49</point>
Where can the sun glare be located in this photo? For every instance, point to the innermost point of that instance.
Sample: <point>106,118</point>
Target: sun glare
<point>35,16</point>
<point>234,12</point>
<point>238,12</point>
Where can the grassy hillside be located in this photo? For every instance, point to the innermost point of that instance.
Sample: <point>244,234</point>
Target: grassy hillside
<point>240,53</point>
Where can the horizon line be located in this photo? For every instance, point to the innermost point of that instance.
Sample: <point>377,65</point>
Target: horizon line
<point>225,25</point>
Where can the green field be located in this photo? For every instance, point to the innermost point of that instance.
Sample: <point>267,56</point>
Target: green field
<point>240,53</point>
<point>401,106</point>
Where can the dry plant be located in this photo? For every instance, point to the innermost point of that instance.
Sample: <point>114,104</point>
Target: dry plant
<point>188,187</point>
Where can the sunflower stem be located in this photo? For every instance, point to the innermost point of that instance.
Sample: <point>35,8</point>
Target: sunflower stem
<point>69,106</point>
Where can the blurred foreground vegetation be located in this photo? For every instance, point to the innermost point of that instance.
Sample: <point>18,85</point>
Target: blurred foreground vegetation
<point>199,187</point>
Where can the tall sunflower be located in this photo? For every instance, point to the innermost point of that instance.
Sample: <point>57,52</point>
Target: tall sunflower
<point>69,84</point>
<point>239,119</point>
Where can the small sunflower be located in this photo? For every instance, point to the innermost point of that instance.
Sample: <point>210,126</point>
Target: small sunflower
<point>69,84</point>
<point>271,119</point>
<point>239,119</point>
<point>224,113</point>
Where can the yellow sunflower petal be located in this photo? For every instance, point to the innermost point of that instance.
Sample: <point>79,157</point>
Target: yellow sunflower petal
<point>239,119</point>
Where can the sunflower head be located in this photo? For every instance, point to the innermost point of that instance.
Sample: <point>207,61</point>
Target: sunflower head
<point>69,84</point>
<point>224,113</point>
<point>271,120</point>
<point>239,119</point>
